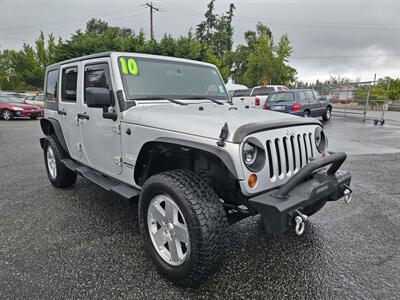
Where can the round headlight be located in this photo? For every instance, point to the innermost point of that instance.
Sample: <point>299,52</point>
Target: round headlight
<point>249,153</point>
<point>321,141</point>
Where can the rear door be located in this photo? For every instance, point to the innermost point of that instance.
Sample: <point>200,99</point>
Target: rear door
<point>68,106</point>
<point>101,137</point>
<point>312,104</point>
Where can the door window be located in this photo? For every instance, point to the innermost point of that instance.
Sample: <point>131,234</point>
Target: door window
<point>302,96</point>
<point>316,94</point>
<point>97,76</point>
<point>310,95</point>
<point>51,86</point>
<point>69,84</point>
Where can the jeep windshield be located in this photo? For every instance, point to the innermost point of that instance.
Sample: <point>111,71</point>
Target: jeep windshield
<point>154,79</point>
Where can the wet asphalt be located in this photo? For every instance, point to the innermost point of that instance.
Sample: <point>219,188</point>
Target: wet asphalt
<point>82,242</point>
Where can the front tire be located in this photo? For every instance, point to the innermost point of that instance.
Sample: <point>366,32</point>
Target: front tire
<point>306,114</point>
<point>59,175</point>
<point>7,114</point>
<point>184,226</point>
<point>33,117</point>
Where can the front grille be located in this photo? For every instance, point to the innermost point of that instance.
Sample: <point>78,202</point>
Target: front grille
<point>288,155</point>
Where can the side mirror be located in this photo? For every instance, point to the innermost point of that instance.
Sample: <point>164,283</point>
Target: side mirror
<point>322,98</point>
<point>98,97</point>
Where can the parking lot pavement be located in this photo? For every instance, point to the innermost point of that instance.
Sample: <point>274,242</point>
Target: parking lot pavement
<point>83,242</point>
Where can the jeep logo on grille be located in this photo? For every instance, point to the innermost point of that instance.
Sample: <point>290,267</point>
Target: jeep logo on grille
<point>290,133</point>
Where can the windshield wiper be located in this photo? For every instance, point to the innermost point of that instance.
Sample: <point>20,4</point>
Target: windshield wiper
<point>158,98</point>
<point>202,97</point>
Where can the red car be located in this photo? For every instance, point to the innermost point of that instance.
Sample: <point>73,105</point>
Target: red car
<point>12,107</point>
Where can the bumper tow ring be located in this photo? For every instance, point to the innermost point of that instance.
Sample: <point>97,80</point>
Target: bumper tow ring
<point>300,220</point>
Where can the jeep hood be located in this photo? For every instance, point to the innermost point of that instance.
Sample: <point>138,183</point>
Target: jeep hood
<point>207,120</point>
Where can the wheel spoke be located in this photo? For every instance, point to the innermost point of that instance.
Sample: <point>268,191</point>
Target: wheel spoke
<point>159,238</point>
<point>158,213</point>
<point>171,211</point>
<point>173,250</point>
<point>181,233</point>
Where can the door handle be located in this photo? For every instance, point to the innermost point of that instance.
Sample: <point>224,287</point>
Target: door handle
<point>83,116</point>
<point>62,112</point>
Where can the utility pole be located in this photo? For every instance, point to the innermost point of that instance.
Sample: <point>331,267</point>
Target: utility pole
<point>151,6</point>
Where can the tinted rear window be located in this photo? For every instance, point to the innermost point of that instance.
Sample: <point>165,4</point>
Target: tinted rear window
<point>262,91</point>
<point>281,97</point>
<point>242,93</point>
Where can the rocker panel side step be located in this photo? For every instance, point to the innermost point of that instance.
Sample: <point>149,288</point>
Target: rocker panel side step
<point>108,184</point>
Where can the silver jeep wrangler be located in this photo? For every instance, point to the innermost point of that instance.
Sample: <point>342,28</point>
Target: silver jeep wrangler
<point>164,129</point>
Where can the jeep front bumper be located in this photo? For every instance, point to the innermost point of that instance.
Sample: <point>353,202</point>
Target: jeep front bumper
<point>305,193</point>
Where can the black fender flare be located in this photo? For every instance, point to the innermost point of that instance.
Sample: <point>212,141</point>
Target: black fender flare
<point>51,126</point>
<point>214,150</point>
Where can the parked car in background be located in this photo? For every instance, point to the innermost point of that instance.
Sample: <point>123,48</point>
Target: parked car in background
<point>301,102</point>
<point>12,107</point>
<point>256,96</point>
<point>232,87</point>
<point>35,100</point>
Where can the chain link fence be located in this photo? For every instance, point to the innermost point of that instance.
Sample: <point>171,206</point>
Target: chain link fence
<point>368,100</point>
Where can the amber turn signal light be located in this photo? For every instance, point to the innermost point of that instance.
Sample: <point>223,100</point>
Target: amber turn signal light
<point>252,180</point>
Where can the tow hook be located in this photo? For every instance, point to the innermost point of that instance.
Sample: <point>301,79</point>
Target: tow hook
<point>300,220</point>
<point>347,194</point>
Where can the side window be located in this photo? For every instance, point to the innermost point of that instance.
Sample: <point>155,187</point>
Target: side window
<point>316,94</point>
<point>51,86</point>
<point>302,96</point>
<point>97,76</point>
<point>68,84</point>
<point>310,95</point>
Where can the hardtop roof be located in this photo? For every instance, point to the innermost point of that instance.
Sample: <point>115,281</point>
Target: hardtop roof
<point>111,53</point>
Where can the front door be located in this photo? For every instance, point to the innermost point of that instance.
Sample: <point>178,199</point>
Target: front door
<point>101,138</point>
<point>70,97</point>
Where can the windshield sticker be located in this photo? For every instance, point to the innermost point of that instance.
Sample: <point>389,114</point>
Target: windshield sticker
<point>129,68</point>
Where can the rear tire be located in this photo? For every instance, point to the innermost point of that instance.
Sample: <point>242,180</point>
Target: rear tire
<point>7,114</point>
<point>59,175</point>
<point>201,215</point>
<point>328,114</point>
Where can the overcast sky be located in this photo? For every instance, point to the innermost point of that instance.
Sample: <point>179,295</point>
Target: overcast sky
<point>352,38</point>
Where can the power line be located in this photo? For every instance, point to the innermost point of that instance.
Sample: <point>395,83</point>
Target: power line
<point>69,20</point>
<point>152,7</point>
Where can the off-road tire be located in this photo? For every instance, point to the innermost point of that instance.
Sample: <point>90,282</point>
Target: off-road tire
<point>7,115</point>
<point>306,114</point>
<point>327,115</point>
<point>206,222</point>
<point>64,176</point>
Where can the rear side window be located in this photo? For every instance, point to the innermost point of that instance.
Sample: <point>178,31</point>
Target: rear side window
<point>316,94</point>
<point>97,76</point>
<point>51,86</point>
<point>302,96</point>
<point>263,91</point>
<point>242,93</point>
<point>69,84</point>
<point>310,95</point>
